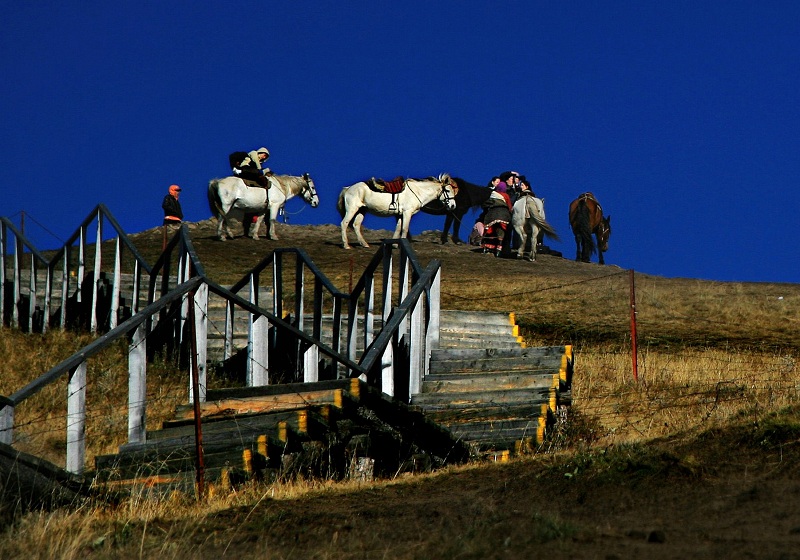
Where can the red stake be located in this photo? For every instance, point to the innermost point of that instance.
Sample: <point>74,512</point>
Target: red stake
<point>634,352</point>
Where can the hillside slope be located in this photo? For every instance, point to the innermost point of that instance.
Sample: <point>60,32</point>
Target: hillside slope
<point>696,458</point>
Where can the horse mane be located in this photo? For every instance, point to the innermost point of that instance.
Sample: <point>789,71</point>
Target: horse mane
<point>473,194</point>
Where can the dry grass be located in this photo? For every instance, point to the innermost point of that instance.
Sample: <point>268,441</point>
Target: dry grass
<point>711,355</point>
<point>40,421</point>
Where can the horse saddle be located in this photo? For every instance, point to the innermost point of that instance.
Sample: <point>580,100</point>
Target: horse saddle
<point>588,196</point>
<point>394,186</point>
<point>261,183</point>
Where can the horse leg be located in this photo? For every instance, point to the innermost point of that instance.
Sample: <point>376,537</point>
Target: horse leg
<point>345,224</point>
<point>448,221</point>
<point>521,234</point>
<point>578,250</point>
<point>400,230</point>
<point>457,227</point>
<point>273,217</point>
<point>534,238</point>
<point>220,226</point>
<point>357,227</point>
<point>255,227</point>
<point>599,250</point>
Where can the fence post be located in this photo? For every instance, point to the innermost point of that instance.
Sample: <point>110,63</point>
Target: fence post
<point>634,351</point>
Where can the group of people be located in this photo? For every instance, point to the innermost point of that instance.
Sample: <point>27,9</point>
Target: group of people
<point>492,229</point>
<point>248,166</point>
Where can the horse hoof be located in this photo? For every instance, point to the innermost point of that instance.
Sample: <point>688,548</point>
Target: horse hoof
<point>457,242</point>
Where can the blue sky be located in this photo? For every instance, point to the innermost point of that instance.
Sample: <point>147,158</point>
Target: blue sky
<point>681,117</point>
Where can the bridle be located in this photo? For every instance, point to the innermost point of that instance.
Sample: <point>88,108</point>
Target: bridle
<point>444,196</point>
<point>603,231</point>
<point>309,191</point>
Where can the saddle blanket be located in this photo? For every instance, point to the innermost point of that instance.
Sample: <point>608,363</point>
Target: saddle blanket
<point>394,186</point>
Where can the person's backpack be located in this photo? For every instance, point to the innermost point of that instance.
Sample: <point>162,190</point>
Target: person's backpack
<point>236,158</point>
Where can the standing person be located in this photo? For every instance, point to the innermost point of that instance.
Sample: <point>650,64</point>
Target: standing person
<point>496,220</point>
<point>173,214</point>
<point>250,168</point>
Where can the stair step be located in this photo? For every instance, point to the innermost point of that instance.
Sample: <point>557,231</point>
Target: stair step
<point>437,401</point>
<point>477,382</point>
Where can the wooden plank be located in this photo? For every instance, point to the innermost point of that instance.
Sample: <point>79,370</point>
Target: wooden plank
<point>499,365</point>
<point>471,382</point>
<point>486,397</point>
<point>258,404</point>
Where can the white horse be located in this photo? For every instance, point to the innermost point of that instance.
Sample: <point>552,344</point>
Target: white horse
<point>356,200</point>
<point>530,224</point>
<point>229,197</point>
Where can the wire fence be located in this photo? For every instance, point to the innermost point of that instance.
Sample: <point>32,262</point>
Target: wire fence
<point>707,352</point>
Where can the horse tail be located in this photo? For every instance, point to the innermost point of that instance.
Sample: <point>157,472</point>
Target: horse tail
<point>583,226</point>
<point>543,224</point>
<point>340,202</point>
<point>214,200</point>
<point>548,230</point>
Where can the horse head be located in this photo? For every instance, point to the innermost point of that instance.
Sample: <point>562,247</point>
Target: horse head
<point>604,232</point>
<point>310,191</point>
<point>449,189</point>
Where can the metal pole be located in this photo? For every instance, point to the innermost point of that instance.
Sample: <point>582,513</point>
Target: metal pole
<point>198,427</point>
<point>634,352</point>
<point>22,222</point>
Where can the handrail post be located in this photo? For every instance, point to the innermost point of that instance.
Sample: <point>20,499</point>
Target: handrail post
<point>198,426</point>
<point>6,420</point>
<point>137,386</point>
<point>3,256</point>
<point>16,287</point>
<point>432,330</point>
<point>98,257</point>
<point>76,419</point>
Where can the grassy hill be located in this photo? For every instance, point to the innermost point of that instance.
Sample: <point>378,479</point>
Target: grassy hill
<point>698,456</point>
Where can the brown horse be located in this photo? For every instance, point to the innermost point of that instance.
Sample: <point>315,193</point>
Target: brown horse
<point>586,218</point>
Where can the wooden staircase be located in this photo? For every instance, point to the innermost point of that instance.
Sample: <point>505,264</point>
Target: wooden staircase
<point>486,395</point>
<point>333,429</point>
<point>490,391</point>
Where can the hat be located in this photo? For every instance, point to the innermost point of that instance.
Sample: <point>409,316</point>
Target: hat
<point>501,187</point>
<point>263,150</point>
<point>506,176</point>
<point>174,189</point>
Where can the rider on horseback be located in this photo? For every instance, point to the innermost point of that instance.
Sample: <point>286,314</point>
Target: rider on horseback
<point>247,166</point>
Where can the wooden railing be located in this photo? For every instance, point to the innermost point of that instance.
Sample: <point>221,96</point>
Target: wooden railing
<point>79,302</point>
<point>409,315</point>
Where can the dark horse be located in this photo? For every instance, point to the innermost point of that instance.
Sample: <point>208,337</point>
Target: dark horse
<point>468,196</point>
<point>586,218</point>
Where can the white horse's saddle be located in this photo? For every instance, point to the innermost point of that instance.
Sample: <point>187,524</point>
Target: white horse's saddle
<point>394,186</point>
